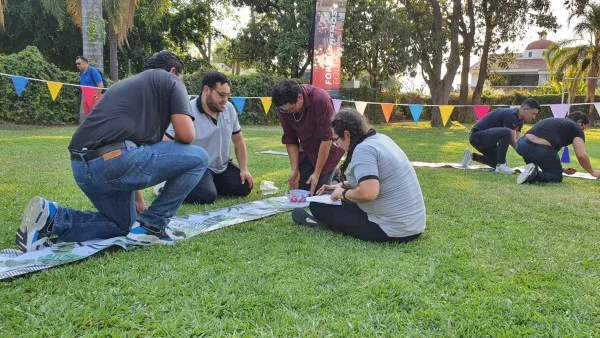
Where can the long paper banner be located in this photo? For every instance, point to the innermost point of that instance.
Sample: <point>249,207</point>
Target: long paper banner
<point>329,21</point>
<point>13,263</point>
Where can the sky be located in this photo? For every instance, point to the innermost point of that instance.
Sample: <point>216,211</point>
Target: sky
<point>557,7</point>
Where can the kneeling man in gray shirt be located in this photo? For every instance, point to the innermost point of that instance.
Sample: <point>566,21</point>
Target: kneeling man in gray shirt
<point>217,126</point>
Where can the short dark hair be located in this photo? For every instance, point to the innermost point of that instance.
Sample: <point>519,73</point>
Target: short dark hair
<point>213,77</point>
<point>285,92</point>
<point>82,58</point>
<point>531,103</point>
<point>577,115</point>
<point>165,60</point>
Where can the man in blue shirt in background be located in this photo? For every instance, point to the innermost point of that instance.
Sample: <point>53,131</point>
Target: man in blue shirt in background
<point>89,76</point>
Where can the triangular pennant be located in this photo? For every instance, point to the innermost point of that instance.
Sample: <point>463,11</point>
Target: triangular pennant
<point>266,102</point>
<point>446,111</point>
<point>337,104</point>
<point>597,105</point>
<point>19,82</point>
<point>88,95</point>
<point>387,111</point>
<point>565,156</point>
<point>515,106</point>
<point>54,88</point>
<point>559,110</point>
<point>415,111</point>
<point>239,103</point>
<point>481,111</point>
<point>360,106</point>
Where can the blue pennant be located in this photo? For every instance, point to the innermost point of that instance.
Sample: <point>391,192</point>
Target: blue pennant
<point>239,103</point>
<point>19,82</point>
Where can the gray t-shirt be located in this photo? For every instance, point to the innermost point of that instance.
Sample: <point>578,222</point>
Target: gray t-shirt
<point>399,209</point>
<point>137,109</point>
<point>215,139</point>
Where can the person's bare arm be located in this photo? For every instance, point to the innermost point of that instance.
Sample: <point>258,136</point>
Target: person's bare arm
<point>184,128</point>
<point>583,158</point>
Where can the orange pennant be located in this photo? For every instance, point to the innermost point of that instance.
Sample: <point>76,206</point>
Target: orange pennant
<point>387,111</point>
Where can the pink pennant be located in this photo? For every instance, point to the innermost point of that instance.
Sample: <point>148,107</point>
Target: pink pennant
<point>481,111</point>
<point>88,95</point>
<point>336,104</point>
<point>559,110</point>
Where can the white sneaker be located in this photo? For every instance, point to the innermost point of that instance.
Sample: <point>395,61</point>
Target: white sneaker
<point>467,159</point>
<point>528,174</point>
<point>504,169</point>
<point>158,188</point>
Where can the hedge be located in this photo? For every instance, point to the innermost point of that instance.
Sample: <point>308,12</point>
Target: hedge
<point>36,107</point>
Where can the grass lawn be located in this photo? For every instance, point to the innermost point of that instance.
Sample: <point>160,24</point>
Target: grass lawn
<point>496,259</point>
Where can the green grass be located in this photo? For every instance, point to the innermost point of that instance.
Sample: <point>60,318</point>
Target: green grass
<point>496,259</point>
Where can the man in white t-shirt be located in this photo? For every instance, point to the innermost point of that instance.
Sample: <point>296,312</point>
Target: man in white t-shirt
<point>217,127</point>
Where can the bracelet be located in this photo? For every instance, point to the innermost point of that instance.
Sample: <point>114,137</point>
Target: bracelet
<point>344,195</point>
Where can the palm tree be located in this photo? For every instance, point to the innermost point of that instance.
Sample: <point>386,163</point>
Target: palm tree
<point>570,63</point>
<point>590,26</point>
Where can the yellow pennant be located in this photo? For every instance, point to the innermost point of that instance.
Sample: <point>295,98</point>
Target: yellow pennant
<point>446,111</point>
<point>54,88</point>
<point>266,102</point>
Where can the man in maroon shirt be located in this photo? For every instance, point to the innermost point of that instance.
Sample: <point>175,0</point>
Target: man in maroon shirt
<point>305,113</point>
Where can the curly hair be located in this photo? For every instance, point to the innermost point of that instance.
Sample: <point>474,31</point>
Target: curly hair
<point>165,60</point>
<point>348,119</point>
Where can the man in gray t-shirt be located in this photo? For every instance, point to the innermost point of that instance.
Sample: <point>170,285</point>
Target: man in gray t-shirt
<point>217,126</point>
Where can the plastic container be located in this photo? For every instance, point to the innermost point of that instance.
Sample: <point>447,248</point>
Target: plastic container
<point>297,195</point>
<point>268,188</point>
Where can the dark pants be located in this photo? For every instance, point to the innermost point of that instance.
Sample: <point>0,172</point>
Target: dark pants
<point>545,157</point>
<point>492,144</point>
<point>306,169</point>
<point>211,185</point>
<point>349,219</point>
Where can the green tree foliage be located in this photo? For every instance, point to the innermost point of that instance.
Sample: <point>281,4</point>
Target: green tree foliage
<point>376,40</point>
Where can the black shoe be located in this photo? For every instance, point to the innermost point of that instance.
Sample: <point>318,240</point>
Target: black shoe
<point>528,175</point>
<point>301,217</point>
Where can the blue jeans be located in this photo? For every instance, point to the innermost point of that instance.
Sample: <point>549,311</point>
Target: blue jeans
<point>111,185</point>
<point>545,157</point>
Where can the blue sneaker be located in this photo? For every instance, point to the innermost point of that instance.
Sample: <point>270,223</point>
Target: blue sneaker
<point>145,235</point>
<point>36,227</point>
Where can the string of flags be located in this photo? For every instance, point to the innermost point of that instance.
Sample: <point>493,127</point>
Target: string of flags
<point>558,110</point>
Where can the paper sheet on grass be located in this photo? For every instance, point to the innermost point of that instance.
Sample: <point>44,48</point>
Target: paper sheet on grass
<point>273,152</point>
<point>325,199</point>
<point>13,263</point>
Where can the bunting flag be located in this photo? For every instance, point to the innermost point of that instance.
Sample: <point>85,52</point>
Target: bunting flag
<point>446,111</point>
<point>360,106</point>
<point>88,95</point>
<point>239,103</point>
<point>565,156</point>
<point>481,111</point>
<point>415,111</point>
<point>266,102</point>
<point>387,111</point>
<point>54,89</point>
<point>560,110</point>
<point>19,82</point>
<point>515,106</point>
<point>337,104</point>
<point>597,105</point>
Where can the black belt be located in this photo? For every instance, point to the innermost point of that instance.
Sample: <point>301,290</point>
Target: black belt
<point>89,155</point>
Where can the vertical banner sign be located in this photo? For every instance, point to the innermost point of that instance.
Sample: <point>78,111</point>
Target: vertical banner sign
<point>327,46</point>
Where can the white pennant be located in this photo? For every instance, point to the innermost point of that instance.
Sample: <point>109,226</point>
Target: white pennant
<point>360,106</point>
<point>597,105</point>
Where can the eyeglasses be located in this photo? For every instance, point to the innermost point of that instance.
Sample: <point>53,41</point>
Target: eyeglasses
<point>335,142</point>
<point>77,63</point>
<point>223,95</point>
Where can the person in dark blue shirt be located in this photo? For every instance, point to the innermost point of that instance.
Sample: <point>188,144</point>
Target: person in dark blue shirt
<point>540,145</point>
<point>89,76</point>
<point>492,135</point>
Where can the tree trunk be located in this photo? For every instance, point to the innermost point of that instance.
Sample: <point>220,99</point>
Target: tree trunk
<point>92,30</point>
<point>113,48</point>
<point>466,114</point>
<point>483,65</point>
